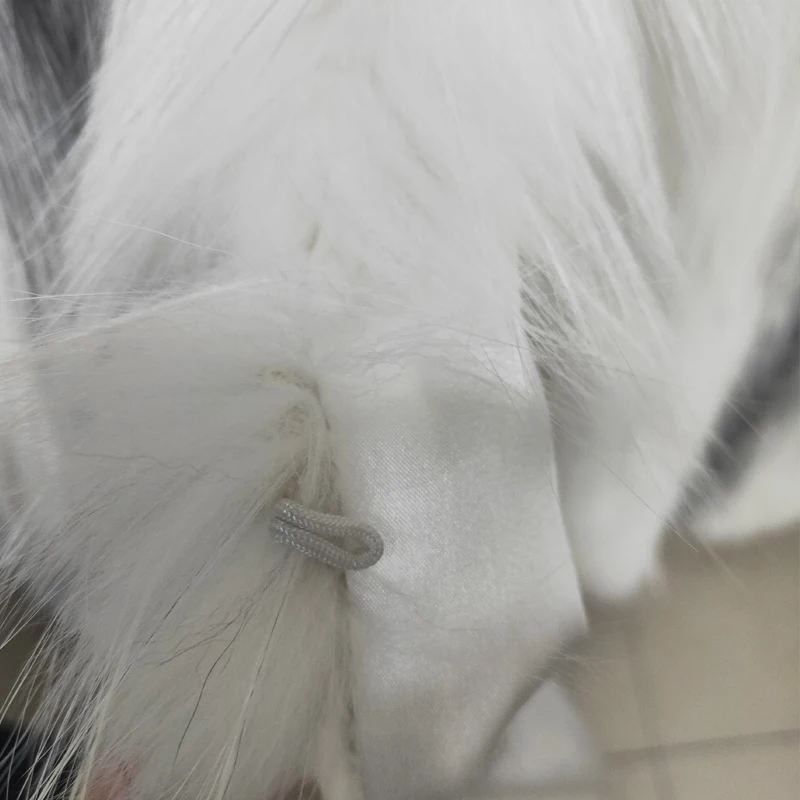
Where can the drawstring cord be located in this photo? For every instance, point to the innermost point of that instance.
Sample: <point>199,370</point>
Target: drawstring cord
<point>331,539</point>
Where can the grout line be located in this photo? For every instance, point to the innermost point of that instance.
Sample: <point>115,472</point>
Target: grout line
<point>642,692</point>
<point>710,745</point>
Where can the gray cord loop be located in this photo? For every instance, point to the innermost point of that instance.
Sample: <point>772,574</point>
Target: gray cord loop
<point>329,538</point>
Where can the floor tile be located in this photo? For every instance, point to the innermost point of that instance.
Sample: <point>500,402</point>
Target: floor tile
<point>631,780</point>
<point>738,772</point>
<point>601,683</point>
<point>720,655</point>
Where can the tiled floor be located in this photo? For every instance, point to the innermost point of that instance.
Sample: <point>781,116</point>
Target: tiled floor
<point>693,695</point>
<point>696,695</point>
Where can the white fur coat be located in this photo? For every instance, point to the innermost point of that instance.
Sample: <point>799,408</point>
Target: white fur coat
<point>240,241</point>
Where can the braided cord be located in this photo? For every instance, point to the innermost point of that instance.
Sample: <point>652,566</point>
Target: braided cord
<point>329,538</point>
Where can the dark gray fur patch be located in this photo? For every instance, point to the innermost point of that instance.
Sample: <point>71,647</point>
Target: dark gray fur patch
<point>767,390</point>
<point>49,50</point>
<point>768,387</point>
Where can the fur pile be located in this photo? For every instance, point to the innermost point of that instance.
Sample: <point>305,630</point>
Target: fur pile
<point>215,214</point>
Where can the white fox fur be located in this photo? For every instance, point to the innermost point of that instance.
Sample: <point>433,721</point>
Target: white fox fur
<point>269,195</point>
